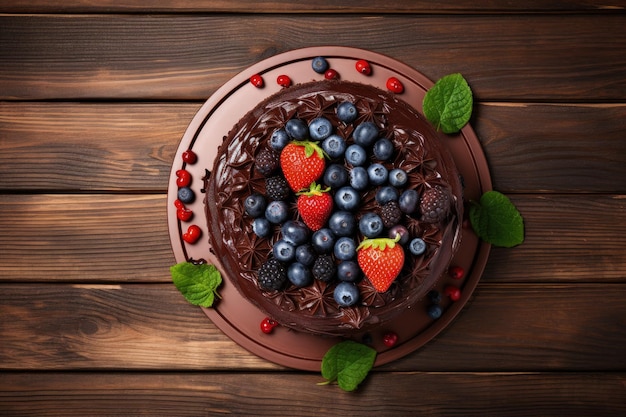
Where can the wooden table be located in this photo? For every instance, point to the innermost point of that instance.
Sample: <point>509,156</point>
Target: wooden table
<point>94,99</point>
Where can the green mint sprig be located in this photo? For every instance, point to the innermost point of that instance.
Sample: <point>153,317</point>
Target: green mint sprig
<point>348,363</point>
<point>448,104</point>
<point>496,220</point>
<point>197,282</point>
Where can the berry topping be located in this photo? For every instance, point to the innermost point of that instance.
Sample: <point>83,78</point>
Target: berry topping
<point>456,272</point>
<point>186,195</point>
<point>417,246</point>
<point>267,160</point>
<point>179,204</point>
<point>324,268</point>
<point>390,339</point>
<point>347,112</point>
<point>190,157</point>
<point>299,275</point>
<point>452,292</point>
<point>395,85</point>
<point>276,188</point>
<point>331,74</point>
<point>183,178</point>
<point>363,67</point>
<point>342,223</point>
<point>284,251</point>
<point>390,214</point>
<point>323,241</point>
<point>254,205</point>
<point>347,198</point>
<point>192,234</point>
<point>184,214</point>
<point>279,139</point>
<point>283,80</point>
<point>320,64</point>
<point>320,128</point>
<point>297,129</point>
<point>315,206</point>
<point>370,225</point>
<point>276,211</point>
<point>302,163</point>
<point>261,227</point>
<point>257,81</point>
<point>346,294</point>
<point>268,325</point>
<point>348,271</point>
<point>435,204</point>
<point>295,232</point>
<point>272,275</point>
<point>381,261</point>
<point>434,311</point>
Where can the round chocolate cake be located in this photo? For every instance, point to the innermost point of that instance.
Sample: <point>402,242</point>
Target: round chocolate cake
<point>250,162</point>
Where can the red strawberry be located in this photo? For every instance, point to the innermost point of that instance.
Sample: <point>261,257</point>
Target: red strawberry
<point>315,206</point>
<point>302,163</point>
<point>381,261</point>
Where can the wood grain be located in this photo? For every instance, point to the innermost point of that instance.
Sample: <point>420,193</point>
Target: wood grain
<point>124,238</point>
<point>113,147</point>
<point>512,58</point>
<point>573,327</point>
<point>296,394</point>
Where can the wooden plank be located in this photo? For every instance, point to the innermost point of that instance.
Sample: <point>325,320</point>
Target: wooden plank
<point>303,6</point>
<point>124,238</point>
<point>506,328</point>
<point>383,394</point>
<point>97,146</point>
<point>130,56</point>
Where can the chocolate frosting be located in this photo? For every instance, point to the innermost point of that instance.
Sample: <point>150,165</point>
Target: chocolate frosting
<point>419,150</point>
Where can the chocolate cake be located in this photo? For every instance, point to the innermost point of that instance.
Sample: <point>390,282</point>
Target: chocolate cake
<point>418,150</point>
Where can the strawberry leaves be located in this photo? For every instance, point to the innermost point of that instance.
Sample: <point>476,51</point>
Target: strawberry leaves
<point>348,363</point>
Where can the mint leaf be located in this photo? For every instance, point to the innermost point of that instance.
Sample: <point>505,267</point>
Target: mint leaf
<point>448,104</point>
<point>496,220</point>
<point>348,363</point>
<point>197,282</point>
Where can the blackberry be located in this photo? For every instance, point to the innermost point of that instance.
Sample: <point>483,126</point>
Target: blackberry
<point>391,214</point>
<point>324,268</point>
<point>435,204</point>
<point>277,188</point>
<point>272,275</point>
<point>267,160</point>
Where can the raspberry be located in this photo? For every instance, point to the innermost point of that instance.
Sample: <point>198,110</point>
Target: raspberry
<point>391,214</point>
<point>267,160</point>
<point>272,275</point>
<point>435,204</point>
<point>324,268</point>
<point>277,188</point>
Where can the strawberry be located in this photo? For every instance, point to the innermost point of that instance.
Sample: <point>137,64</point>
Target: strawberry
<point>381,261</point>
<point>315,206</point>
<point>302,163</point>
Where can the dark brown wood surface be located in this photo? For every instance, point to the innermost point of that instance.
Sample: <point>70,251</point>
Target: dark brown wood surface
<point>94,99</point>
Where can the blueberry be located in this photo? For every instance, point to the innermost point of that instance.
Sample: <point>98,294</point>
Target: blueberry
<point>295,232</point>
<point>355,155</point>
<point>279,139</point>
<point>186,195</point>
<point>299,275</point>
<point>383,149</point>
<point>409,201</point>
<point>371,225</point>
<point>398,177</point>
<point>305,254</point>
<point>348,271</point>
<point>323,241</point>
<point>345,248</point>
<point>297,129</point>
<point>359,180</point>
<point>320,128</point>
<point>335,176</point>
<point>365,134</point>
<point>434,296</point>
<point>417,246</point>
<point>377,174</point>
<point>334,146</point>
<point>342,223</point>
<point>261,227</point>
<point>276,212</point>
<point>346,294</point>
<point>399,230</point>
<point>434,311</point>
<point>347,198</point>
<point>254,205</point>
<point>284,251</point>
<point>320,65</point>
<point>386,194</point>
<point>347,112</point>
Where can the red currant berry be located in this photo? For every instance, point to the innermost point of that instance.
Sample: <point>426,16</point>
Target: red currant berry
<point>331,74</point>
<point>453,292</point>
<point>456,272</point>
<point>192,234</point>
<point>283,80</point>
<point>184,214</point>
<point>183,178</point>
<point>257,81</point>
<point>394,85</point>
<point>363,67</point>
<point>178,204</point>
<point>390,339</point>
<point>190,156</point>
<point>267,325</point>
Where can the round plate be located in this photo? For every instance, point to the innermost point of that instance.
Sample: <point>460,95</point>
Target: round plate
<point>236,316</point>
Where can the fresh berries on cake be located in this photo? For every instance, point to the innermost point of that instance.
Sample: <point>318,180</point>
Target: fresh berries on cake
<point>381,260</point>
<point>315,206</point>
<point>302,163</point>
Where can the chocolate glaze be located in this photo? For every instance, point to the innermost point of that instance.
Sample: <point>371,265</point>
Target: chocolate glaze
<point>419,151</point>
